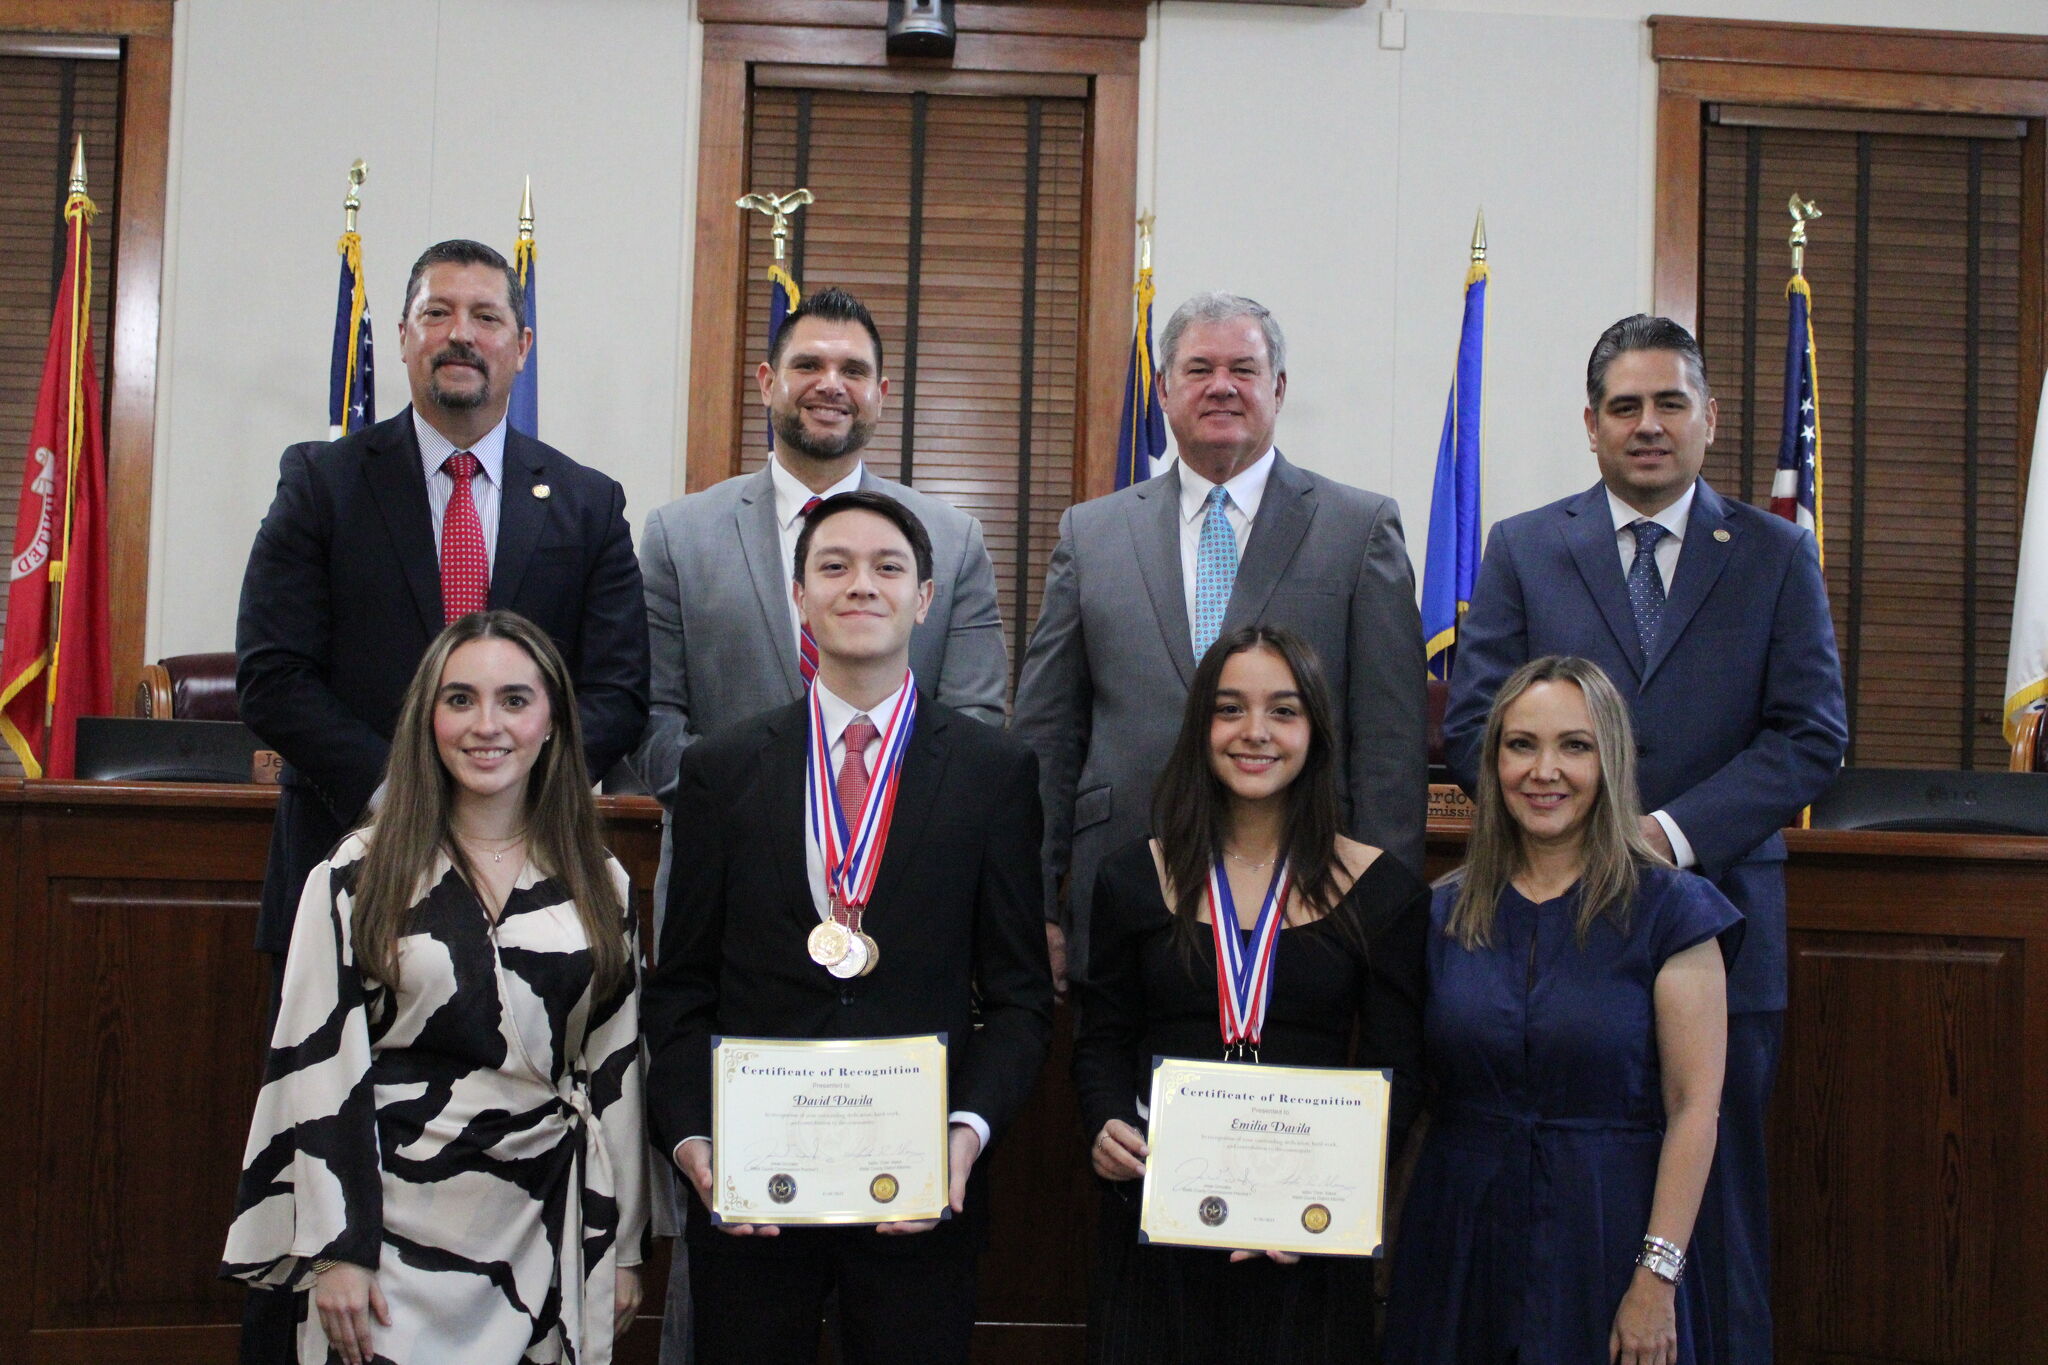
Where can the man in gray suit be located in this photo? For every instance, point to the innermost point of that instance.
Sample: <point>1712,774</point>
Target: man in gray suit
<point>1145,579</point>
<point>722,627</point>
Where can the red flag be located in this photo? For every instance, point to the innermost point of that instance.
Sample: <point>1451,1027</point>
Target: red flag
<point>56,666</point>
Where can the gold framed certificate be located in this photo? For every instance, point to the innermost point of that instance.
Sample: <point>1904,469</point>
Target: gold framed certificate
<point>845,1130</point>
<point>1266,1158</point>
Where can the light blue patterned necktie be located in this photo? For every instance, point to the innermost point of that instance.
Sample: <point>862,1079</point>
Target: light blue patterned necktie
<point>1645,584</point>
<point>1215,571</point>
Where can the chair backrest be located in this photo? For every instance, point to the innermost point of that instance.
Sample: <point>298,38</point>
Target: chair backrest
<point>1439,693</point>
<point>2029,755</point>
<point>189,687</point>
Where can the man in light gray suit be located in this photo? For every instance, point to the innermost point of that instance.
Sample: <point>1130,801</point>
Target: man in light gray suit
<point>1144,580</point>
<point>722,627</point>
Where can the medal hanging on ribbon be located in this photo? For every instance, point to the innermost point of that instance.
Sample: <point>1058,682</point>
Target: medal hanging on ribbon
<point>1244,965</point>
<point>852,849</point>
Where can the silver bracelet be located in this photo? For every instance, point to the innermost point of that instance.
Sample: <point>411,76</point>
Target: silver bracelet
<point>1662,1259</point>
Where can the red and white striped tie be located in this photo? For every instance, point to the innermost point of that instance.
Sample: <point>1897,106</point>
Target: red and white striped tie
<point>465,568</point>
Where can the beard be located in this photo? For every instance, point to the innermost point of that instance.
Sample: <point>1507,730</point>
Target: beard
<point>791,436</point>
<point>460,400</point>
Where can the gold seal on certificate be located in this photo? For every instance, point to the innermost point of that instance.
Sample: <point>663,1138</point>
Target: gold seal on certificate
<point>845,1130</point>
<point>1266,1158</point>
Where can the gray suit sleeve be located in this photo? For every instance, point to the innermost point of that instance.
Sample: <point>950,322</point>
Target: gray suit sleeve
<point>977,668</point>
<point>1055,701</point>
<point>1388,722</point>
<point>668,720</point>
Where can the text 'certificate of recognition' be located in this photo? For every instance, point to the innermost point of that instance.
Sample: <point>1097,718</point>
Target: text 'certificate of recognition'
<point>1266,1158</point>
<point>847,1130</point>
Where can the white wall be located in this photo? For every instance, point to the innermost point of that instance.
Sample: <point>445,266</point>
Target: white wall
<point>451,102</point>
<point>1286,153</point>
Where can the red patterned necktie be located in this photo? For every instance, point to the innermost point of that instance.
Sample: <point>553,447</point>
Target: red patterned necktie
<point>465,568</point>
<point>807,650</point>
<point>853,769</point>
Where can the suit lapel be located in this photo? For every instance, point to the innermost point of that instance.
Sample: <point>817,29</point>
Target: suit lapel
<point>1705,551</point>
<point>1154,522</point>
<point>761,543</point>
<point>924,768</point>
<point>391,468</point>
<point>1286,509</point>
<point>520,515</point>
<point>786,754</point>
<point>1588,532</point>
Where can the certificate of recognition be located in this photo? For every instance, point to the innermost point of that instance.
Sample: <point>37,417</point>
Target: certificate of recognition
<point>1266,1158</point>
<point>847,1130</point>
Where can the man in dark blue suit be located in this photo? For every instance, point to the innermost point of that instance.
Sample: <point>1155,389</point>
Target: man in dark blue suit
<point>346,586</point>
<point>1712,618</point>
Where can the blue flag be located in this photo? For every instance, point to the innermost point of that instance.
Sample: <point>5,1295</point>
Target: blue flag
<point>524,413</point>
<point>1141,436</point>
<point>783,295</point>
<point>1795,491</point>
<point>351,390</point>
<point>1453,561</point>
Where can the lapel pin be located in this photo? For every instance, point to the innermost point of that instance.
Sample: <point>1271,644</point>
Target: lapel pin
<point>541,490</point>
<point>1721,536</point>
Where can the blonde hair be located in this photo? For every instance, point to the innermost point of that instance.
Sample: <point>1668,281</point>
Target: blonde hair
<point>412,826</point>
<point>1613,846</point>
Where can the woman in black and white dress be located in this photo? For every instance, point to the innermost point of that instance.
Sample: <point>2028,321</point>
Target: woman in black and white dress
<point>447,1155</point>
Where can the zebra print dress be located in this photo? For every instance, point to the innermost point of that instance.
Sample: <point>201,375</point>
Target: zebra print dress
<point>475,1135</point>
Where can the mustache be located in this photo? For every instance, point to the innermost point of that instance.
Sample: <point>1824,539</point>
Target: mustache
<point>459,353</point>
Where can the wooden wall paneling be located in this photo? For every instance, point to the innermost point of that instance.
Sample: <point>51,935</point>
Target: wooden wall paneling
<point>1832,88</point>
<point>136,17</point>
<point>1848,47</point>
<point>21,1018</point>
<point>1110,225</point>
<point>868,48</point>
<point>717,309</point>
<point>1103,19</point>
<point>2033,358</point>
<point>1675,276</point>
<point>137,281</point>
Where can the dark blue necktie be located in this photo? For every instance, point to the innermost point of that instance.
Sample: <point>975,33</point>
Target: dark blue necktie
<point>1645,584</point>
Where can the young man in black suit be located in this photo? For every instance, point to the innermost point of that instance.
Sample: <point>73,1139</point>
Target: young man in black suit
<point>955,914</point>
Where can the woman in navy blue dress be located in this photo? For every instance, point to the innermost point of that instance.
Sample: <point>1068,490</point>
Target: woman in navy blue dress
<point>1246,819</point>
<point>1574,1033</point>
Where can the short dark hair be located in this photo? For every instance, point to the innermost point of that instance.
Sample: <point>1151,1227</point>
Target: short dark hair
<point>1642,332</point>
<point>462,251</point>
<point>882,505</point>
<point>830,304</point>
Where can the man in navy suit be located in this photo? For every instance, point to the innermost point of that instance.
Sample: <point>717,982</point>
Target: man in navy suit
<point>1712,618</point>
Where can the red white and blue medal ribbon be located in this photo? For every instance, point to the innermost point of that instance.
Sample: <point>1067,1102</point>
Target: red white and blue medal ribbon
<point>853,850</point>
<point>1244,963</point>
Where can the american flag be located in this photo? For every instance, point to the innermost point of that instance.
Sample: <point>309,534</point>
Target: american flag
<point>1796,490</point>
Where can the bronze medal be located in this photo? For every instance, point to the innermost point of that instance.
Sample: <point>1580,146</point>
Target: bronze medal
<point>874,951</point>
<point>855,962</point>
<point>828,942</point>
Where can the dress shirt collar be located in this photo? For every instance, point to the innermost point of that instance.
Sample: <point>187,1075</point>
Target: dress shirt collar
<point>1246,487</point>
<point>436,448</point>
<point>839,714</point>
<point>791,494</point>
<point>1672,518</point>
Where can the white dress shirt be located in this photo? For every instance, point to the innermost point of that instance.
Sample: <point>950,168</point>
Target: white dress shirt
<point>790,497</point>
<point>1674,520</point>
<point>484,491</point>
<point>1247,488</point>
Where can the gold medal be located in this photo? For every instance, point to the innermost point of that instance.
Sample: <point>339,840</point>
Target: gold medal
<point>856,960</point>
<point>828,942</point>
<point>874,950</point>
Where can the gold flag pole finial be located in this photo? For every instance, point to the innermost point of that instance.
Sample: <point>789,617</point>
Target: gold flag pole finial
<point>526,212</point>
<point>1479,239</point>
<point>1145,221</point>
<point>78,166</point>
<point>1803,211</point>
<point>778,207</point>
<point>357,174</point>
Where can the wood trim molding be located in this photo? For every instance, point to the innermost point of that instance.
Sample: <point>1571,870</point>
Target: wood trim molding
<point>136,279</point>
<point>1096,19</point>
<point>849,35</point>
<point>1833,66</point>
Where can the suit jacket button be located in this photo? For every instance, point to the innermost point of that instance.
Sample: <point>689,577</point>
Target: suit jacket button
<point>846,996</point>
<point>1641,750</point>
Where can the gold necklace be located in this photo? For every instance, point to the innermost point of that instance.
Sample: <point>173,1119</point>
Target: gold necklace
<point>1243,861</point>
<point>497,854</point>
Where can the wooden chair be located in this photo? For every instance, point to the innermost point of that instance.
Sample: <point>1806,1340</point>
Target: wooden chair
<point>2029,755</point>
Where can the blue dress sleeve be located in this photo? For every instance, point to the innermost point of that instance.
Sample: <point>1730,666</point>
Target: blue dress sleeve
<point>1686,910</point>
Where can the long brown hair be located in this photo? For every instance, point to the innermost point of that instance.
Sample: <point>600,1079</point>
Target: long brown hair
<point>1613,848</point>
<point>1191,806</point>
<point>412,825</point>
